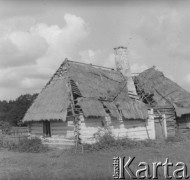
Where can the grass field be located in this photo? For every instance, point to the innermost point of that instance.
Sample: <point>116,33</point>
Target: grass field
<point>60,164</point>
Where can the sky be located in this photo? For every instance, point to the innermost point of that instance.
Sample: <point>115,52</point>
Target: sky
<point>36,37</point>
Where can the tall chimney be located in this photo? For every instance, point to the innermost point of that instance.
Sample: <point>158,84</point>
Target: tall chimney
<point>123,65</point>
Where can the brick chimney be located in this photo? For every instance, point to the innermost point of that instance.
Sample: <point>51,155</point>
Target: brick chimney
<point>122,64</point>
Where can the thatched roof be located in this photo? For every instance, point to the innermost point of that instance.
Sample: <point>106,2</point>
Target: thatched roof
<point>97,91</point>
<point>165,91</point>
<point>51,103</point>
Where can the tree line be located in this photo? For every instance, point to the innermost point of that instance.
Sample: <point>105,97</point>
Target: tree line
<point>13,111</point>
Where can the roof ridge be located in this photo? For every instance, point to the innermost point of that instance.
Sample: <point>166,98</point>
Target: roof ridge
<point>102,67</point>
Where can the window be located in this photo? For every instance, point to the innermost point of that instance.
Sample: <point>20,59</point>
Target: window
<point>46,128</point>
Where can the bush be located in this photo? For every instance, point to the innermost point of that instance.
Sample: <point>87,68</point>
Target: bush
<point>178,138</point>
<point>33,145</point>
<point>5,127</point>
<point>107,141</point>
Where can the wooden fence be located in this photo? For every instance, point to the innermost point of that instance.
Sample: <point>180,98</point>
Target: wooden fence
<point>19,131</point>
<point>15,135</point>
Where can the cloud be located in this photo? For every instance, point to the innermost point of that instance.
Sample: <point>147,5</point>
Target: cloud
<point>187,78</point>
<point>102,58</point>
<point>166,29</point>
<point>179,50</point>
<point>136,68</point>
<point>9,78</point>
<point>29,83</point>
<point>62,42</point>
<point>110,61</point>
<point>29,56</point>
<point>88,56</point>
<point>21,48</point>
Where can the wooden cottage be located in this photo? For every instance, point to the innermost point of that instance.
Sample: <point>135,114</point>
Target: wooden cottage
<point>166,97</point>
<point>81,100</point>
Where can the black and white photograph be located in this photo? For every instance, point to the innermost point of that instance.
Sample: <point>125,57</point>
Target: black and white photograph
<point>94,89</point>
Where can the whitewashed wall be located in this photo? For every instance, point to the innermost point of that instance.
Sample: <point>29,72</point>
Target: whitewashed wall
<point>88,128</point>
<point>133,129</point>
<point>139,131</point>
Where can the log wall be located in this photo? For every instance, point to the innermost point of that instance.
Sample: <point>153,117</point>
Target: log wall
<point>58,128</point>
<point>171,126</point>
<point>134,129</point>
<point>36,128</point>
<point>170,119</point>
<point>62,129</point>
<point>88,128</point>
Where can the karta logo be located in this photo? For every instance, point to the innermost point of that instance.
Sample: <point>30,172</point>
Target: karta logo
<point>123,169</point>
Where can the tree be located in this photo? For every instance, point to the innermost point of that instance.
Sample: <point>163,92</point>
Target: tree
<point>14,111</point>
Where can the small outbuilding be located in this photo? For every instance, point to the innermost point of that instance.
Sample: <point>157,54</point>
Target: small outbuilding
<point>166,98</point>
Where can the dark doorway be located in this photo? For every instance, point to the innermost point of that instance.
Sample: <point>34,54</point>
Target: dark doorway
<point>46,128</point>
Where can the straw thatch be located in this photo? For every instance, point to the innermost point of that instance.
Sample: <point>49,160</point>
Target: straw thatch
<point>165,92</point>
<point>92,107</point>
<point>112,108</point>
<point>95,82</point>
<point>103,85</point>
<point>133,109</point>
<point>51,103</point>
<point>94,89</point>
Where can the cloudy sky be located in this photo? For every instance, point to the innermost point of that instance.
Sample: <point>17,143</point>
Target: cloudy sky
<point>36,36</point>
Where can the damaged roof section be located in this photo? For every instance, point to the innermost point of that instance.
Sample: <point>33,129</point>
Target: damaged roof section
<point>103,87</point>
<point>92,107</point>
<point>95,89</point>
<point>133,109</point>
<point>95,82</point>
<point>165,92</point>
<point>129,110</point>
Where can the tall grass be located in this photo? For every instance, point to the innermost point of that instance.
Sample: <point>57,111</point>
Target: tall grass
<point>33,145</point>
<point>94,164</point>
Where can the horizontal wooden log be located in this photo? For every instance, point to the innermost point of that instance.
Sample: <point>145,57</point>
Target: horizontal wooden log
<point>68,136</point>
<point>37,128</point>
<point>182,127</point>
<point>19,127</point>
<point>170,130</point>
<point>70,123</point>
<point>36,133</point>
<point>58,124</point>
<point>36,125</point>
<point>134,125</point>
<point>170,124</point>
<point>58,133</point>
<point>67,128</point>
<point>87,127</point>
<point>70,119</point>
<point>132,131</point>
